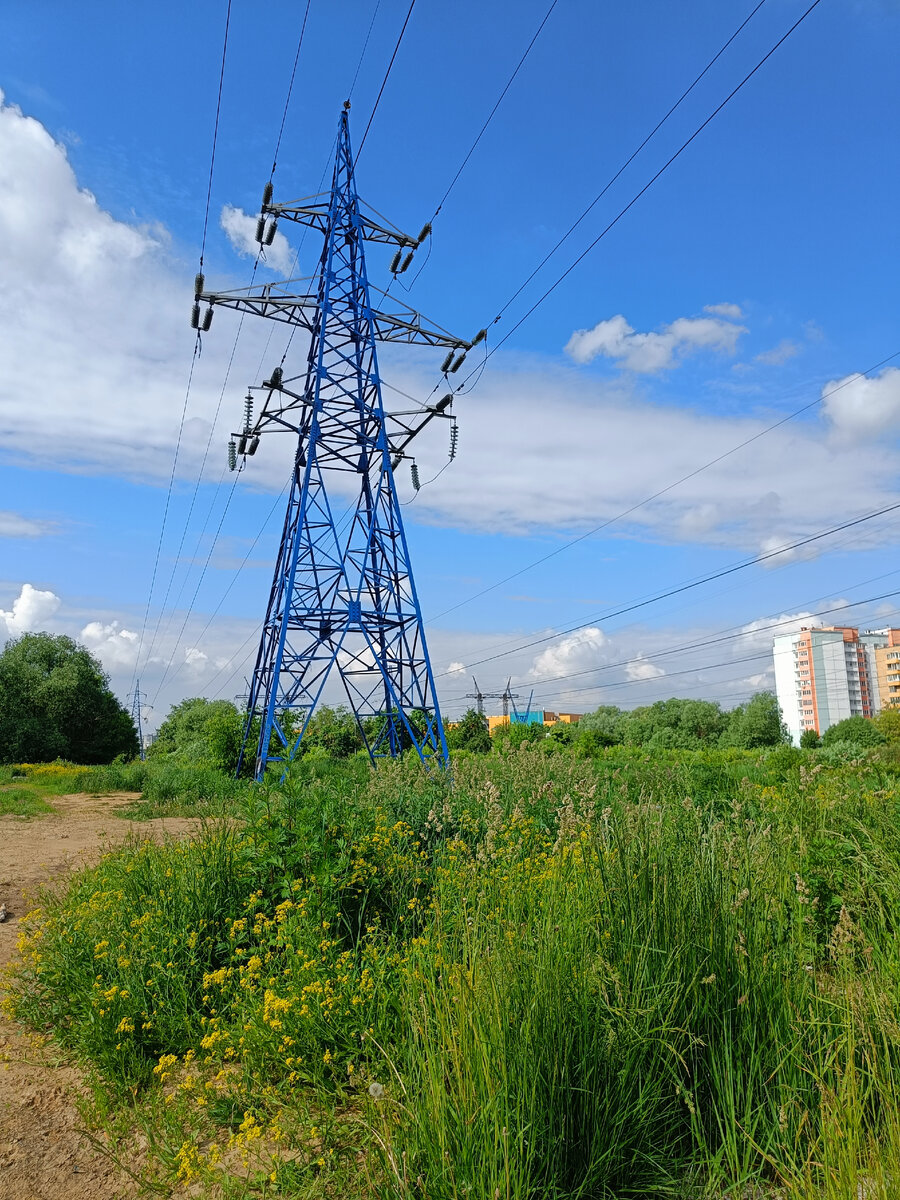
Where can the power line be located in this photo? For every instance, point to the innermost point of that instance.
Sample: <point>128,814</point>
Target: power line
<point>668,163</point>
<point>362,53</point>
<point>734,633</point>
<point>193,599</point>
<point>195,355</point>
<point>741,566</point>
<point>669,487</point>
<point>212,158</point>
<point>290,90</point>
<point>384,82</point>
<point>627,163</point>
<point>499,101</point>
<point>227,370</point>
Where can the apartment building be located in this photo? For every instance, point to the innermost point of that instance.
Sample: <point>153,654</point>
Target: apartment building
<point>823,675</point>
<point>887,672</point>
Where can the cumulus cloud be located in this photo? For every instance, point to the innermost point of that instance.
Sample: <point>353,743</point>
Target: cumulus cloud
<point>94,316</point>
<point>733,311</point>
<point>456,668</point>
<point>778,355</point>
<point>758,635</point>
<point>31,610</point>
<point>575,652</point>
<point>640,668</point>
<point>113,645</point>
<point>240,228</point>
<point>15,525</point>
<point>648,353</point>
<point>860,408</point>
<point>606,449</point>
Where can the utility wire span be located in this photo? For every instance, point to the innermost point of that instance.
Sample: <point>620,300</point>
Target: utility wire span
<point>685,587</point>
<point>384,83</point>
<point>290,91</point>
<point>234,579</point>
<point>734,633</point>
<point>492,113</point>
<point>627,163</point>
<point>228,368</point>
<point>212,157</point>
<point>670,486</point>
<point>668,163</point>
<point>188,614</point>
<point>195,355</point>
<point>165,516</point>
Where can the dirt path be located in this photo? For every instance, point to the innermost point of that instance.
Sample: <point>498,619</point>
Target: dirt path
<point>42,1154</point>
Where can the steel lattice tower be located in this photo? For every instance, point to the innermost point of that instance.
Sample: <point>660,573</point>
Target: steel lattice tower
<point>340,601</point>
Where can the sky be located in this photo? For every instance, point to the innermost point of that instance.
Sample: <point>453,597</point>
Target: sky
<point>754,278</point>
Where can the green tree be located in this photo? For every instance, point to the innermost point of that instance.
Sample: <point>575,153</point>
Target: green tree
<point>859,731</point>
<point>470,732</point>
<point>606,724</point>
<point>810,740</point>
<point>335,730</point>
<point>55,702</point>
<point>755,724</point>
<point>675,725</point>
<point>888,724</point>
<point>200,730</point>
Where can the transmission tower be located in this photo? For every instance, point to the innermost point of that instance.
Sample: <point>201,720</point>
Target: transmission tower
<point>138,699</point>
<point>340,602</point>
<point>506,696</point>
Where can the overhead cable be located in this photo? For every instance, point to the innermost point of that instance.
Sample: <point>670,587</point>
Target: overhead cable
<point>671,486</point>
<point>685,587</point>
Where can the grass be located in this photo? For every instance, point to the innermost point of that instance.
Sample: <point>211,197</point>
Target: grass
<point>22,801</point>
<point>639,975</point>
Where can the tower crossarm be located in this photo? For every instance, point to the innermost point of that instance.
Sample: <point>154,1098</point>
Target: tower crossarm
<point>314,213</point>
<point>269,300</point>
<point>279,303</point>
<point>289,411</point>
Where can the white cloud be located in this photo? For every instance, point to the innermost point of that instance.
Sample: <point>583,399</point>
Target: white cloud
<point>786,349</point>
<point>651,352</point>
<point>95,338</point>
<point>575,652</point>
<point>15,525</point>
<point>640,668</point>
<point>31,610</point>
<point>758,635</point>
<point>456,668</point>
<point>733,311</point>
<point>240,228</point>
<point>860,408</point>
<point>113,645</point>
<point>545,450</point>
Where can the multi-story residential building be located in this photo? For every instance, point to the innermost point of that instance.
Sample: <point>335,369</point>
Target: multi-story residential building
<point>887,671</point>
<point>823,675</point>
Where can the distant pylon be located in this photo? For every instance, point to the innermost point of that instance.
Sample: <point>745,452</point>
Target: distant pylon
<point>342,599</point>
<point>138,699</point>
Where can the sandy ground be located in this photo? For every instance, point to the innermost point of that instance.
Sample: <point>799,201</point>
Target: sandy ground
<point>43,1156</point>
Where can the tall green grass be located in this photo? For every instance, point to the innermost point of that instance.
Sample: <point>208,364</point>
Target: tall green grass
<point>632,975</point>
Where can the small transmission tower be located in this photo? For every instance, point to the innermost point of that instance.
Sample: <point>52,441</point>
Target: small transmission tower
<point>341,601</point>
<point>138,699</point>
<point>506,696</point>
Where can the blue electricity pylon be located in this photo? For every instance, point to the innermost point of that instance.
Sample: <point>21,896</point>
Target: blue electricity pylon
<point>343,598</point>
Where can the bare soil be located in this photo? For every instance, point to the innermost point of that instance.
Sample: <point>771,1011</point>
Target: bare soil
<point>43,1153</point>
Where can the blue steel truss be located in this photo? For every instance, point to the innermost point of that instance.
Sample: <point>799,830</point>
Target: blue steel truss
<point>341,602</point>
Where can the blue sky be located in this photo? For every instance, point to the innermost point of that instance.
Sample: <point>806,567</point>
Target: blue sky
<point>756,275</point>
